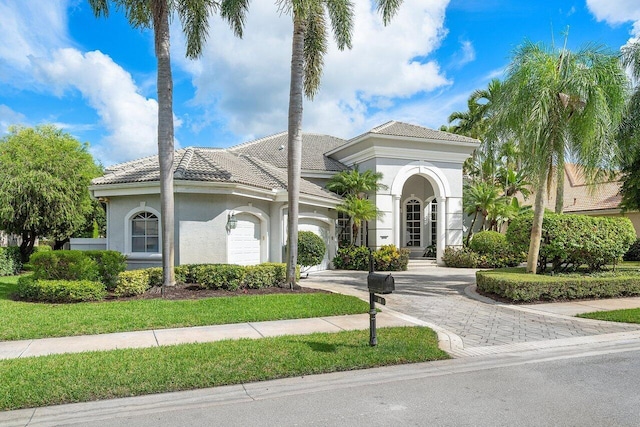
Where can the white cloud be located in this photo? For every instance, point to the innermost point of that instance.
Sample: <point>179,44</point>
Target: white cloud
<point>130,118</point>
<point>247,81</point>
<point>465,55</point>
<point>616,12</point>
<point>10,117</point>
<point>29,28</point>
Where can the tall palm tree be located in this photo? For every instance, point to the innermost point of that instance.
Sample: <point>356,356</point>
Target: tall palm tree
<point>556,101</point>
<point>629,135</point>
<point>194,16</point>
<point>308,48</point>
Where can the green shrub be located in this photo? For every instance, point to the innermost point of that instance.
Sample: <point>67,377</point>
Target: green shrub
<point>64,265</point>
<point>110,265</point>
<point>59,291</point>
<point>259,276</point>
<point>155,276</point>
<point>515,285</point>
<point>10,261</point>
<point>311,249</point>
<point>390,258</point>
<point>460,257</point>
<point>570,241</point>
<point>220,276</point>
<point>633,254</point>
<point>132,283</point>
<point>352,258</point>
<point>186,273</point>
<point>488,242</point>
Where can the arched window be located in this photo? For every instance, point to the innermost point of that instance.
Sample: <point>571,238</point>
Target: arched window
<point>144,233</point>
<point>434,221</point>
<point>413,222</point>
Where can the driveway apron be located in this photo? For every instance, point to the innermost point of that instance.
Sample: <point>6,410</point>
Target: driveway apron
<point>445,299</point>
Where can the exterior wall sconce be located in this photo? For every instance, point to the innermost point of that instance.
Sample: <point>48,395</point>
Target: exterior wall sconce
<point>232,222</point>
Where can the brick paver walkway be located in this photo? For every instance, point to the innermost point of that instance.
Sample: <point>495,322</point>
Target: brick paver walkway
<point>437,295</point>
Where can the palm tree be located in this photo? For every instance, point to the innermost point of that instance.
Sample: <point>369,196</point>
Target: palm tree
<point>628,135</point>
<point>556,101</point>
<point>479,198</point>
<point>308,48</point>
<point>355,183</point>
<point>194,16</point>
<point>359,210</point>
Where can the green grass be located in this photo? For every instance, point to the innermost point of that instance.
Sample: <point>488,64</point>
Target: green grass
<point>627,316</point>
<point>22,320</point>
<point>52,380</point>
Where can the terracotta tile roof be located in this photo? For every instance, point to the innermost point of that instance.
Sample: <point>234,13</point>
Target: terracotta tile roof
<point>210,165</point>
<point>579,196</point>
<point>394,128</point>
<point>273,149</point>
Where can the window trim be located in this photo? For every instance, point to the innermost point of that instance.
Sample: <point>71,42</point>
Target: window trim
<point>128,234</point>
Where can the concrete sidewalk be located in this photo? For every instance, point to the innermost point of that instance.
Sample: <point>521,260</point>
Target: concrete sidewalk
<point>199,334</point>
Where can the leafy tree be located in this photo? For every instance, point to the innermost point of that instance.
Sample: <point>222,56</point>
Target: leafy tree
<point>555,102</point>
<point>44,175</point>
<point>308,49</point>
<point>194,16</point>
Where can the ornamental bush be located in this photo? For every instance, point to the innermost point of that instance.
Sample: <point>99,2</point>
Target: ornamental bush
<point>390,258</point>
<point>59,291</point>
<point>220,276</point>
<point>311,249</point>
<point>132,283</point>
<point>570,241</point>
<point>352,258</point>
<point>64,265</point>
<point>462,257</point>
<point>110,265</point>
<point>488,242</point>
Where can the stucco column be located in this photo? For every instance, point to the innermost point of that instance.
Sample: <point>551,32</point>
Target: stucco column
<point>396,220</point>
<point>442,229</point>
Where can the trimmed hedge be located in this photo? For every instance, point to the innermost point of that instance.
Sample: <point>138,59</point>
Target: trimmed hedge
<point>59,291</point>
<point>387,258</point>
<point>570,241</point>
<point>133,282</point>
<point>517,286</point>
<point>104,266</point>
<point>460,257</point>
<point>219,276</point>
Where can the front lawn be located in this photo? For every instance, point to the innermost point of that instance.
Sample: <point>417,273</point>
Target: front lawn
<point>58,379</point>
<point>23,320</point>
<point>627,316</point>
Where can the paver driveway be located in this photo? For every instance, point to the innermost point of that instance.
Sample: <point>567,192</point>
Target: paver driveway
<point>436,295</point>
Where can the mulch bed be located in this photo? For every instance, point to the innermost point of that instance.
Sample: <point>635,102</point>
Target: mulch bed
<point>190,291</point>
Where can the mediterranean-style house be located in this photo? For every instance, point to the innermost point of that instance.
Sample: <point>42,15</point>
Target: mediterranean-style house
<point>231,204</point>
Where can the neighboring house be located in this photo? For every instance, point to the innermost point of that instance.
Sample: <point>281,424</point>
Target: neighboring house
<point>231,204</point>
<point>601,199</point>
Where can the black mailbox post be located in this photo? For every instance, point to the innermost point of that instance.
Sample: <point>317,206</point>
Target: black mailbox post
<point>377,284</point>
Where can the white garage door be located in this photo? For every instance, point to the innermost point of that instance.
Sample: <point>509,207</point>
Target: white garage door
<point>321,229</point>
<point>244,240</point>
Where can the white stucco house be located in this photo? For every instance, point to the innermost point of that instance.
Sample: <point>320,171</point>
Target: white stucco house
<point>231,204</point>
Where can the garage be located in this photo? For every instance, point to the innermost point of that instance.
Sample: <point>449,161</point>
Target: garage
<point>244,240</point>
<point>321,229</point>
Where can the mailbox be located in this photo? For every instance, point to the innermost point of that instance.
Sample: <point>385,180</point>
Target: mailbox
<point>381,283</point>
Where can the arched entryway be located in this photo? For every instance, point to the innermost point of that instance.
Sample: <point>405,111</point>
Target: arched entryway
<point>420,193</point>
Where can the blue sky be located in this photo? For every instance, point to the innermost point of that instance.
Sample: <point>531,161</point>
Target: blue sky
<point>96,77</point>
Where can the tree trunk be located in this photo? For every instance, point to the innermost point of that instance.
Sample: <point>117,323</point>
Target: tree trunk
<point>294,144</point>
<point>559,187</point>
<point>26,246</point>
<point>536,229</point>
<point>473,223</point>
<point>165,138</point>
